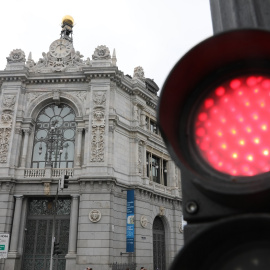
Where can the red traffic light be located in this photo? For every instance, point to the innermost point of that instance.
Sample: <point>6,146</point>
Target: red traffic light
<point>213,112</point>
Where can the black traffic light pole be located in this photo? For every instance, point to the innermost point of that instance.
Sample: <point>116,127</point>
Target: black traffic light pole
<point>62,183</point>
<point>236,14</point>
<point>53,228</point>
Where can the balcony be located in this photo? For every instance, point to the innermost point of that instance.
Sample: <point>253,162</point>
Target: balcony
<point>47,172</point>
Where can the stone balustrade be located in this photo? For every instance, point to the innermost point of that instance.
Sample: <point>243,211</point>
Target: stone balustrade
<point>62,171</point>
<point>37,172</point>
<point>34,172</point>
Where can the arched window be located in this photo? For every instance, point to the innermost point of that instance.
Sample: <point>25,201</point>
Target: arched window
<point>54,139</point>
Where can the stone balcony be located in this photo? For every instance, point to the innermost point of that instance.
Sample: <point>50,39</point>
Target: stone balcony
<point>47,172</point>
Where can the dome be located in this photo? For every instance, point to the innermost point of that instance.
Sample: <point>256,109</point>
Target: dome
<point>68,19</point>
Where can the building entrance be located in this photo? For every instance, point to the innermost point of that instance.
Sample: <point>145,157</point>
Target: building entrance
<point>38,235</point>
<point>159,251</point>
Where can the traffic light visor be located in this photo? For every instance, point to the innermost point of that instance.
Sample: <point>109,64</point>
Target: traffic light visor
<point>232,124</point>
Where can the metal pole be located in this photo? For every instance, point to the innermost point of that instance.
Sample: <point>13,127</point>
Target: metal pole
<point>50,154</point>
<point>237,14</point>
<point>53,227</point>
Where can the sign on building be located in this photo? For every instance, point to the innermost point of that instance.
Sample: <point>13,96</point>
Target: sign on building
<point>130,221</point>
<point>4,241</point>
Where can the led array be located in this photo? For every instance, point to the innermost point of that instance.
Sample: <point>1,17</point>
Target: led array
<point>232,126</point>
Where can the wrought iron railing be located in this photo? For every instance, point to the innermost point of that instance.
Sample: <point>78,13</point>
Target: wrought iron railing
<point>124,266</point>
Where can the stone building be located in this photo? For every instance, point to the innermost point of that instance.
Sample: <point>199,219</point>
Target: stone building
<point>64,115</point>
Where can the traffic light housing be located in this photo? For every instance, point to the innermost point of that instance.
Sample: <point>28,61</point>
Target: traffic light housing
<point>64,181</point>
<point>56,249</point>
<point>213,115</point>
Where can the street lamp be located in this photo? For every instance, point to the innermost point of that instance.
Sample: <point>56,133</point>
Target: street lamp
<point>54,145</point>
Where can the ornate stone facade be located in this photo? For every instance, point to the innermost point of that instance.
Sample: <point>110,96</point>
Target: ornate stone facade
<point>87,120</point>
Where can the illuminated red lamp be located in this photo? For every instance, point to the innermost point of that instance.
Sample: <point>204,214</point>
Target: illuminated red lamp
<point>232,126</point>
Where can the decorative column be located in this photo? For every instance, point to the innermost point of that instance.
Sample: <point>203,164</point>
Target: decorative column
<point>27,132</point>
<point>18,133</point>
<point>136,162</point>
<point>86,146</point>
<point>143,123</point>
<point>16,224</point>
<point>72,245</point>
<point>145,179</point>
<point>111,144</point>
<point>79,146</point>
<point>136,113</point>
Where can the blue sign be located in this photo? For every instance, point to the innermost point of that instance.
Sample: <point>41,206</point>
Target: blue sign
<point>130,221</point>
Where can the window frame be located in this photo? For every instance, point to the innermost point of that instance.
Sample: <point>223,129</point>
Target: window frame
<point>156,168</point>
<point>67,125</point>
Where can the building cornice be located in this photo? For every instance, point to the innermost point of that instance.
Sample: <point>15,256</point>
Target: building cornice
<point>131,86</point>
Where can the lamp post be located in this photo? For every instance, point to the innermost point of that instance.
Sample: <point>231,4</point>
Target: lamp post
<point>54,145</point>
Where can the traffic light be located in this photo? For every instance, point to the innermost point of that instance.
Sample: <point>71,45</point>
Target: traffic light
<point>56,250</point>
<point>214,116</point>
<point>64,181</point>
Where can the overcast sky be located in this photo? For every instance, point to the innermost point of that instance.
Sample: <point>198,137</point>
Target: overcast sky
<point>153,34</point>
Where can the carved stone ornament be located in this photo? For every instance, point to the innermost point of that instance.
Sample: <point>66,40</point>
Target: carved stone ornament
<point>98,118</point>
<point>144,221</point>
<point>139,73</point>
<point>61,57</point>
<point>33,96</point>
<point>99,115</point>
<point>6,116</point>
<point>4,143</point>
<point>6,125</point>
<point>101,53</point>
<point>79,94</point>
<point>161,211</point>
<point>98,128</point>
<point>16,56</point>
<point>95,215</point>
<point>9,101</point>
<point>99,99</point>
<point>6,119</point>
<point>47,188</point>
<point>97,144</point>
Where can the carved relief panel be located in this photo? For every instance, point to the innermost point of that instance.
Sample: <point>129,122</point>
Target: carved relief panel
<point>8,104</point>
<point>98,127</point>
